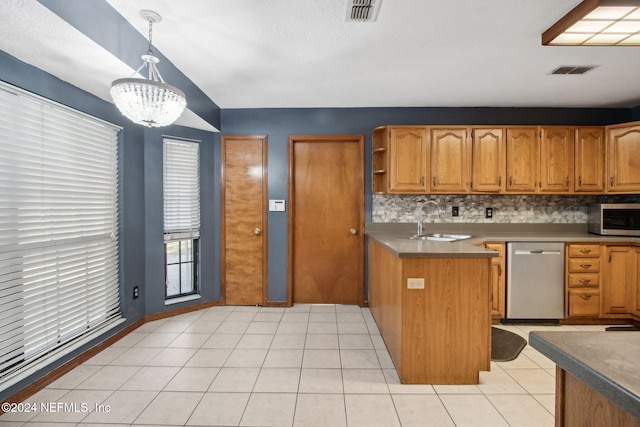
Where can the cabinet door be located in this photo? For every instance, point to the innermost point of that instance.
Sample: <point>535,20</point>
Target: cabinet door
<point>487,165</point>
<point>623,158</point>
<point>450,160</point>
<point>619,279</point>
<point>523,159</point>
<point>589,160</point>
<point>497,281</point>
<point>408,160</point>
<point>556,159</point>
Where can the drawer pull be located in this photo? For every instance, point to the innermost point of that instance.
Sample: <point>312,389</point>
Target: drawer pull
<point>585,251</point>
<point>585,281</point>
<point>585,265</point>
<point>586,297</point>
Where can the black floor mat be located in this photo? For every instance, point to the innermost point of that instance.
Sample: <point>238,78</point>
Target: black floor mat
<point>505,345</point>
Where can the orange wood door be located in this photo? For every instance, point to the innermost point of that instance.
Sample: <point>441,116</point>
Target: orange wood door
<point>589,160</point>
<point>326,207</point>
<point>450,160</point>
<point>556,159</point>
<point>243,219</point>
<point>523,159</point>
<point>488,164</point>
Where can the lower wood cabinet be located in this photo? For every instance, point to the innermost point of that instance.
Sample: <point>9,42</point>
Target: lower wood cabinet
<point>498,274</point>
<point>583,279</point>
<point>620,271</point>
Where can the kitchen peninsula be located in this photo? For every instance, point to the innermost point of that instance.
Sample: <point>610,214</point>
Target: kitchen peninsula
<point>432,304</point>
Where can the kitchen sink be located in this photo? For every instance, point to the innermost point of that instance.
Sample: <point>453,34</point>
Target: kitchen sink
<point>437,237</point>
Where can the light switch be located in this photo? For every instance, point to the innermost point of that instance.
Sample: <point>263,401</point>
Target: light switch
<point>277,206</point>
<point>415,283</point>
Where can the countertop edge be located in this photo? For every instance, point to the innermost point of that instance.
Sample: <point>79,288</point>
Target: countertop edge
<point>456,250</point>
<point>622,397</point>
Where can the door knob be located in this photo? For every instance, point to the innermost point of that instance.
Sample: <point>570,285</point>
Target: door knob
<point>257,231</point>
<point>353,231</point>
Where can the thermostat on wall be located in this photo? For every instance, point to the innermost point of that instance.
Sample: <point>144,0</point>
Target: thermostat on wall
<point>276,205</point>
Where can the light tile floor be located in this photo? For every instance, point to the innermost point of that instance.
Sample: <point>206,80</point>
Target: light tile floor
<point>308,365</point>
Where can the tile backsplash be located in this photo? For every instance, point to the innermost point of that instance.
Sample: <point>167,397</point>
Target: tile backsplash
<point>506,208</point>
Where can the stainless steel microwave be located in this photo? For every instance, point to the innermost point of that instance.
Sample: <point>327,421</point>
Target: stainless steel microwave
<point>614,219</point>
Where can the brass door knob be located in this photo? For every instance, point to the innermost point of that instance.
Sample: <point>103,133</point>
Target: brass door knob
<point>257,231</point>
<point>353,231</point>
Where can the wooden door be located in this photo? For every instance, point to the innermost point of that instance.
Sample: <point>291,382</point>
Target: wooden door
<point>589,160</point>
<point>487,147</point>
<point>243,219</point>
<point>619,277</point>
<point>623,155</point>
<point>556,159</point>
<point>326,225</point>
<point>523,159</point>
<point>408,160</point>
<point>450,160</point>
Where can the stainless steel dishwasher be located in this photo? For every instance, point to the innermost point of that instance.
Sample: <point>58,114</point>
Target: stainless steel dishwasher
<point>535,280</point>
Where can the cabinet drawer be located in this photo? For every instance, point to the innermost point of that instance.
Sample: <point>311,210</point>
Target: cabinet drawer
<point>584,280</point>
<point>584,251</point>
<point>584,265</point>
<point>584,303</point>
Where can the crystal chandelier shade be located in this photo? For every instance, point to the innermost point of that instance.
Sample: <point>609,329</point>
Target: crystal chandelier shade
<point>150,102</point>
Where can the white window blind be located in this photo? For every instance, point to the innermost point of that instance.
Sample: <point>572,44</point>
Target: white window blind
<point>58,230</point>
<point>181,189</point>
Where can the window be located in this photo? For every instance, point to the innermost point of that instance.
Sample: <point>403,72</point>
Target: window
<point>181,217</point>
<point>59,269</point>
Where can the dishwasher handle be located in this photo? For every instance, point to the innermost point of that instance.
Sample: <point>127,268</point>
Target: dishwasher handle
<point>536,252</point>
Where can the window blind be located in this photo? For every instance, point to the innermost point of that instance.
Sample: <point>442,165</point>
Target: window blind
<point>58,229</point>
<point>181,178</point>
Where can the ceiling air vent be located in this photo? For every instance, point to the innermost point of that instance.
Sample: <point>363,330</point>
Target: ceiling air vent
<point>362,10</point>
<point>572,69</point>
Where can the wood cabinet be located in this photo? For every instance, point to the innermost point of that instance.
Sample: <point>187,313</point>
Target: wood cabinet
<point>488,160</point>
<point>636,287</point>
<point>400,160</point>
<point>498,274</point>
<point>556,159</point>
<point>623,158</point>
<point>450,160</point>
<point>522,159</point>
<point>589,174</point>
<point>617,288</point>
<point>437,331</point>
<point>582,283</point>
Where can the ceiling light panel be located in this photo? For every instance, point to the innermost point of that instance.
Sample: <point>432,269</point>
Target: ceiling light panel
<point>597,23</point>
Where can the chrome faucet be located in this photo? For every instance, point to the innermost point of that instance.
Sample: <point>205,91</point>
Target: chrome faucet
<point>420,211</point>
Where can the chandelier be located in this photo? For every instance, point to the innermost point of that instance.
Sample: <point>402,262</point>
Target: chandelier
<point>151,101</point>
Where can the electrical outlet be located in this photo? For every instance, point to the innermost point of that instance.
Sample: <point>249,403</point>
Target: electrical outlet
<point>455,211</point>
<point>489,213</point>
<point>136,292</point>
<point>415,283</point>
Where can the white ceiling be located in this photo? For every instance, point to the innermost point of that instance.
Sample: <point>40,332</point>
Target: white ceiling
<point>302,53</point>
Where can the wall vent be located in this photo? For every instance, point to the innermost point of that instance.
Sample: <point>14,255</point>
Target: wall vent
<point>362,10</point>
<point>573,69</point>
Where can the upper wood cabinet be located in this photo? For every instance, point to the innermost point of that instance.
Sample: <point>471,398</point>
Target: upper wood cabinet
<point>623,158</point>
<point>400,160</point>
<point>589,160</point>
<point>556,159</point>
<point>523,159</point>
<point>488,160</point>
<point>450,160</point>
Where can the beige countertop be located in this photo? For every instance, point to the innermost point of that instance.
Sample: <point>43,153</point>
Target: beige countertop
<point>395,237</point>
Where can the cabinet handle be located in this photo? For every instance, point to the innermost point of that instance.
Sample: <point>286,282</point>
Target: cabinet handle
<point>580,180</point>
<point>499,270</point>
<point>585,265</point>
<point>611,181</point>
<point>500,181</point>
<point>586,297</point>
<point>510,181</point>
<point>610,256</point>
<point>567,180</point>
<point>585,281</point>
<point>434,181</point>
<point>585,251</point>
<point>422,180</point>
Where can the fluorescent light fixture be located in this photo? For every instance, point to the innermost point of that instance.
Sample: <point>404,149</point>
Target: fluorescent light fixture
<point>597,23</point>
